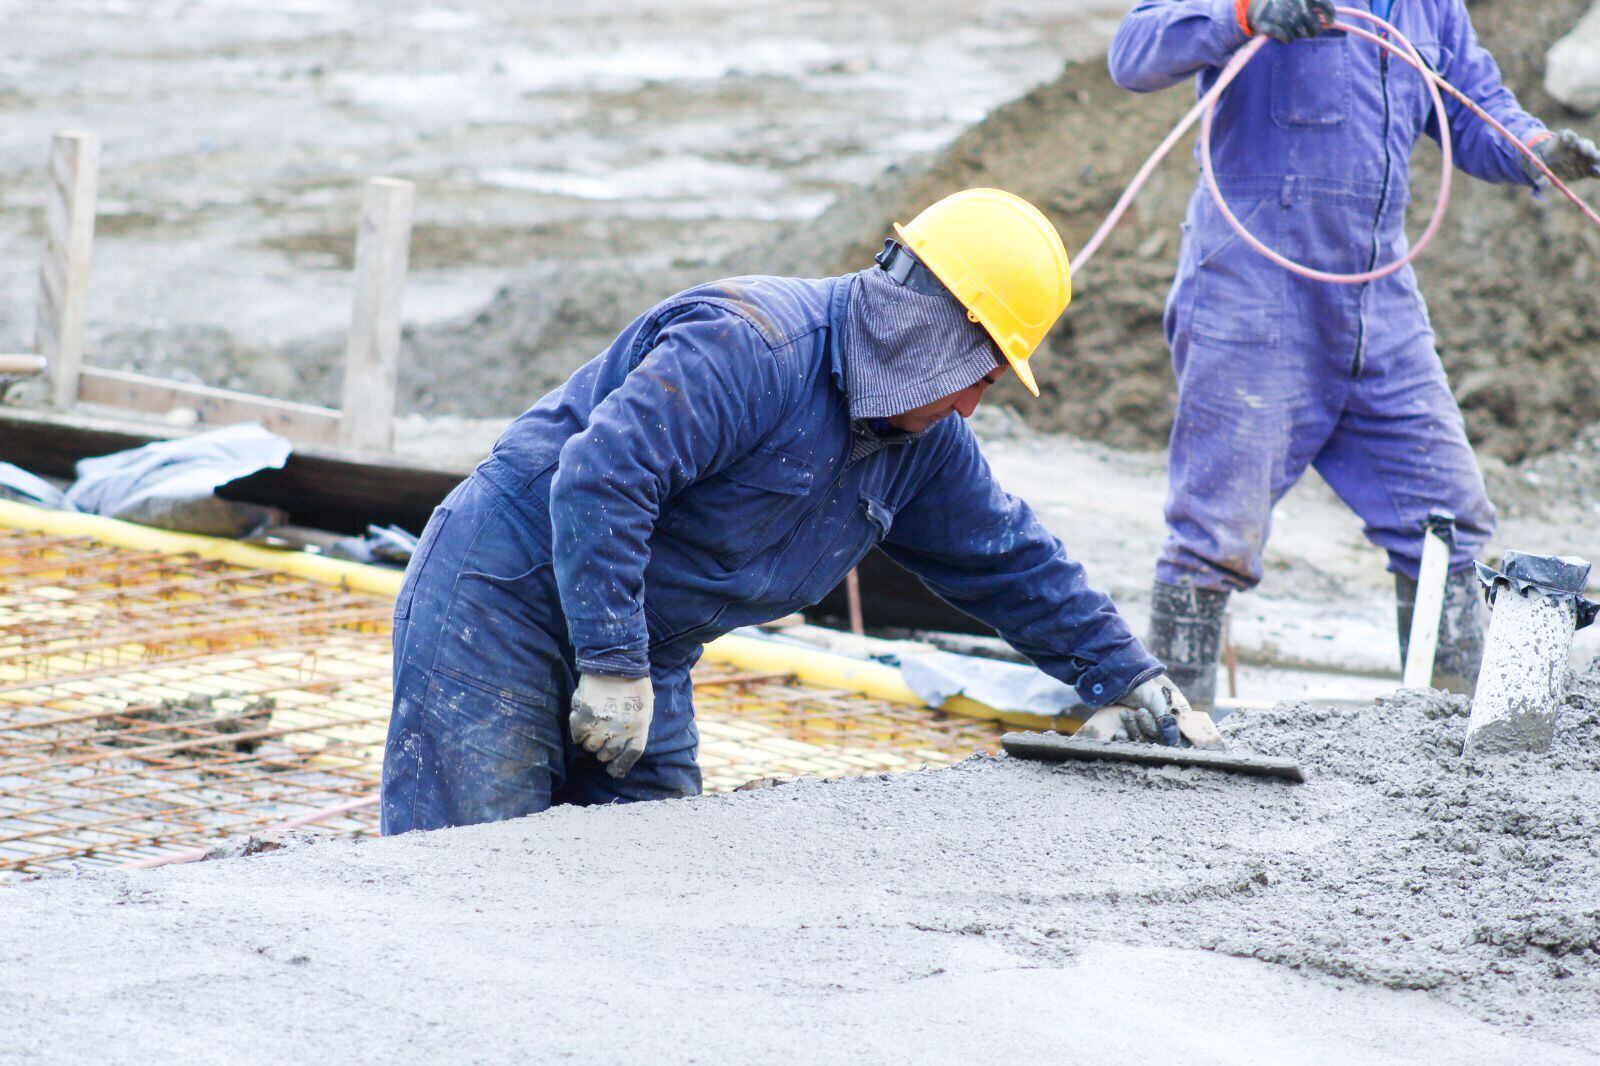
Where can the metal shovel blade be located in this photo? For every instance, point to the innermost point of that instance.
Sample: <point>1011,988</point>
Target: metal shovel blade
<point>1053,747</point>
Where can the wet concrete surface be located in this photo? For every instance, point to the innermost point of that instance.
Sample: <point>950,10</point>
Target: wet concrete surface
<point>1406,905</point>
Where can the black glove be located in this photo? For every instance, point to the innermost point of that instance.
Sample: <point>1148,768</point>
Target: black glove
<point>1569,156</point>
<point>1290,20</point>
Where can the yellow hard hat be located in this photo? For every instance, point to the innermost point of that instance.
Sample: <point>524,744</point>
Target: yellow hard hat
<point>1003,260</point>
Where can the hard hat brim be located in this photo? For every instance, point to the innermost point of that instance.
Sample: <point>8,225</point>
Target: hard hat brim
<point>1024,375</point>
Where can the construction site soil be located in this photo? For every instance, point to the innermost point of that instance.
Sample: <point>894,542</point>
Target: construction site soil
<point>1511,280</point>
<point>1405,905</point>
<point>586,186</point>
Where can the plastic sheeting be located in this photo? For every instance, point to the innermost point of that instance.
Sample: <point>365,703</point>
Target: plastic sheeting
<point>1561,579</point>
<point>172,484</point>
<point>382,546</point>
<point>935,676</point>
<point>17,484</point>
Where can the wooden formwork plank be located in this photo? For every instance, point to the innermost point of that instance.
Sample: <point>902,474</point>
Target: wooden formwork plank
<point>302,423</point>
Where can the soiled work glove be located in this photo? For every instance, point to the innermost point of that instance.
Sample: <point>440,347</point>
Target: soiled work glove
<point>611,719</point>
<point>1289,20</point>
<point>1153,713</point>
<point>1569,156</point>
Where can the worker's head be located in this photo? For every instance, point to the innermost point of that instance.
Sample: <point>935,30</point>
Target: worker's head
<point>967,292</point>
<point>962,403</point>
<point>1003,261</point>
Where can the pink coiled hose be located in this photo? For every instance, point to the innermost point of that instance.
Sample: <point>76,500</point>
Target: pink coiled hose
<point>1205,112</point>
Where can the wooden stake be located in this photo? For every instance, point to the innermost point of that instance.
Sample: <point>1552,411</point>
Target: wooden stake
<point>852,594</point>
<point>68,247</point>
<point>372,359</point>
<point>1230,654</point>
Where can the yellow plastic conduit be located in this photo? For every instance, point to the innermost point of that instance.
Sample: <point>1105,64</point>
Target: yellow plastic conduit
<point>813,667</point>
<point>357,577</point>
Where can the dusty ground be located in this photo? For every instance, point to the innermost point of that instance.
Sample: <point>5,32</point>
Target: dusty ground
<point>1522,361</point>
<point>1404,906</point>
<point>600,168</point>
<point>541,136</point>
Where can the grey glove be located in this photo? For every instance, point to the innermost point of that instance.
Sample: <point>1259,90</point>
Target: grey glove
<point>611,719</point>
<point>1569,156</point>
<point>1153,713</point>
<point>1290,20</point>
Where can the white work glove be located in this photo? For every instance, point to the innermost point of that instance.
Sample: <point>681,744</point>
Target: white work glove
<point>611,719</point>
<point>1138,717</point>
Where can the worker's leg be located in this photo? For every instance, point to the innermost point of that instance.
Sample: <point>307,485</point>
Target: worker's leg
<point>667,770</point>
<point>482,674</point>
<point>1249,419</point>
<point>1400,451</point>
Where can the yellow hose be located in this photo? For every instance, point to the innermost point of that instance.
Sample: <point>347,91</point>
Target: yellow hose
<point>357,577</point>
<point>811,666</point>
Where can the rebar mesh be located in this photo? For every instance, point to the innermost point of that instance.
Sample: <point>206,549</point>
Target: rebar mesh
<point>152,703</point>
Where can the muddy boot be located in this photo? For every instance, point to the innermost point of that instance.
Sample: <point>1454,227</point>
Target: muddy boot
<point>1186,635</point>
<point>1461,629</point>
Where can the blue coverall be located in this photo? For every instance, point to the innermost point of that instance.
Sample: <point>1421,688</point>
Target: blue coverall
<point>1312,148</point>
<point>693,478</point>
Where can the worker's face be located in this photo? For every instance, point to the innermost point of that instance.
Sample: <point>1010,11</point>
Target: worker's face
<point>962,403</point>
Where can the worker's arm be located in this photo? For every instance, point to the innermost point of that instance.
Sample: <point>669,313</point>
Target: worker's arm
<point>1480,151</point>
<point>985,552</point>
<point>1162,43</point>
<point>704,395</point>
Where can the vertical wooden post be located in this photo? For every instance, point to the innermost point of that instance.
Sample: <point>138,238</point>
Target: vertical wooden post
<point>372,359</point>
<point>68,247</point>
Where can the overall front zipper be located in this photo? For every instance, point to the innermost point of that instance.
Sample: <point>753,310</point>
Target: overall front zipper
<point>1377,220</point>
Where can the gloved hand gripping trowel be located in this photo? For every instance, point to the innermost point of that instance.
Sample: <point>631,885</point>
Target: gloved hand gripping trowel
<point>1154,713</point>
<point>1153,724</point>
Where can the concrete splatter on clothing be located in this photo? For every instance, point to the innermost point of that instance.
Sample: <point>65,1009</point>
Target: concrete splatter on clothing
<point>700,474</point>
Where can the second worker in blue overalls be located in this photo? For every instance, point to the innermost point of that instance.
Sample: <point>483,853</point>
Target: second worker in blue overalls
<point>1275,372</point>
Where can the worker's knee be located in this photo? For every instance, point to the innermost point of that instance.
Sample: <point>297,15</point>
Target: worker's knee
<point>1471,532</point>
<point>461,754</point>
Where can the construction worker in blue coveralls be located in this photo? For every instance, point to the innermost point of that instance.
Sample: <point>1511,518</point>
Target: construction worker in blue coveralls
<point>1312,148</point>
<point>726,462</point>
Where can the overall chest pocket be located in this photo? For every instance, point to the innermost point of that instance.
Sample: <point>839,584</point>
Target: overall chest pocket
<point>867,524</point>
<point>1311,86</point>
<point>744,508</point>
<point>1407,87</point>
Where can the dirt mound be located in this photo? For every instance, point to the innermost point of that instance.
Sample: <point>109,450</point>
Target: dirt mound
<point>1524,369</point>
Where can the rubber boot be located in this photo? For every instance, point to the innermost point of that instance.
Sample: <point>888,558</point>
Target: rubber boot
<point>1186,635</point>
<point>1461,629</point>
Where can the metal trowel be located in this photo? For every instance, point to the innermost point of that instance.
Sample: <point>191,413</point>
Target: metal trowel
<point>1053,747</point>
